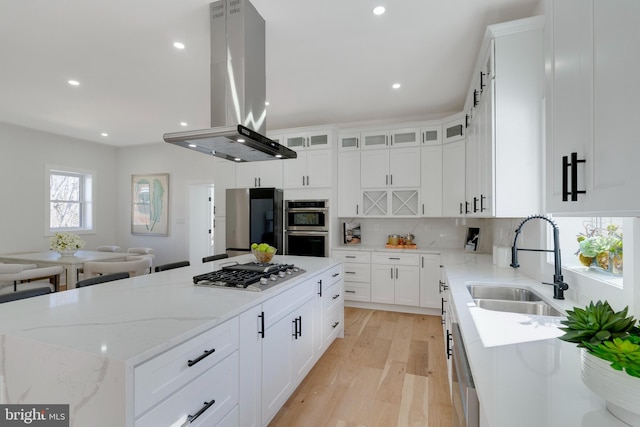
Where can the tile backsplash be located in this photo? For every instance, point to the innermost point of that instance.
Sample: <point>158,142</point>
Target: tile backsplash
<point>446,233</point>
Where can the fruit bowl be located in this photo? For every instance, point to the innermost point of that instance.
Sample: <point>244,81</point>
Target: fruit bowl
<point>264,257</point>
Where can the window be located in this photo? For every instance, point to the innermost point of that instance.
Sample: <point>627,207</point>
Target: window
<point>610,229</point>
<point>70,199</point>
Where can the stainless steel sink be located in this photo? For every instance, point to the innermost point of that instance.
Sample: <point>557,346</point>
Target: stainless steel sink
<point>539,308</point>
<point>506,293</point>
<point>511,299</point>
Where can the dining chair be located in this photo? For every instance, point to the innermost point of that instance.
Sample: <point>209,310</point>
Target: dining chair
<point>135,266</point>
<point>30,273</point>
<point>144,251</point>
<point>172,265</point>
<point>214,257</point>
<point>102,279</point>
<point>25,293</point>
<point>108,248</point>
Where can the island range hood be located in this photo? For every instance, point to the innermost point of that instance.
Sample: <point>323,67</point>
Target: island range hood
<point>238,89</point>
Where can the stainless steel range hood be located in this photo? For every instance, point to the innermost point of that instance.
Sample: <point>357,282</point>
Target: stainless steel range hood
<point>238,88</point>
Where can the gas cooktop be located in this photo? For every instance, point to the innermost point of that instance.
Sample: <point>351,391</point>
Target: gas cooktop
<point>253,276</point>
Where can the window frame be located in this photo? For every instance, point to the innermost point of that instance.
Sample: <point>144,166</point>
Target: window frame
<point>86,199</point>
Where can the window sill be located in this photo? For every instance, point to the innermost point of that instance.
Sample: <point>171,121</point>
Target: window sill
<point>600,276</point>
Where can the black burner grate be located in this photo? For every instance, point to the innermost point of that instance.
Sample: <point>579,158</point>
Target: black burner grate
<point>241,275</point>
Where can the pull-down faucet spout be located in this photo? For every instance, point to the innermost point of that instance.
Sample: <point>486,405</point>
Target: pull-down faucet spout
<point>559,286</point>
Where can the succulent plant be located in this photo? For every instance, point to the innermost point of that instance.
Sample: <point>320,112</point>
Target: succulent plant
<point>596,324</point>
<point>623,353</point>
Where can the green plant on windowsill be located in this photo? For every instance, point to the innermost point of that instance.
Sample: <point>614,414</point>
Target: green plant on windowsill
<point>601,248</point>
<point>606,334</point>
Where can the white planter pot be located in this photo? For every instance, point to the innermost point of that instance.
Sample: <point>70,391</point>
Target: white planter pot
<point>619,389</point>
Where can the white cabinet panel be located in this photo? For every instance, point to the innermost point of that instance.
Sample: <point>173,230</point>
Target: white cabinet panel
<point>349,194</point>
<point>374,169</point>
<point>431,180</point>
<point>312,169</point>
<point>453,178</point>
<point>430,274</point>
<point>260,174</point>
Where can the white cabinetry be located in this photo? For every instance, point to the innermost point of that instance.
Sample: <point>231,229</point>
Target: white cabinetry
<point>357,274</point>
<point>395,279</point>
<point>396,167</point>
<point>349,141</point>
<point>430,274</point>
<point>330,300</point>
<point>312,169</point>
<point>309,139</point>
<point>176,383</point>
<point>431,180</point>
<point>504,139</point>
<point>349,193</point>
<point>453,128</point>
<point>267,173</point>
<point>453,178</point>
<point>592,87</point>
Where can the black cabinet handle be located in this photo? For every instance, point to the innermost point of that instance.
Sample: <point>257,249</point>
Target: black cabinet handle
<point>460,208</point>
<point>261,331</point>
<point>442,320</point>
<point>449,352</point>
<point>350,292</point>
<point>442,286</point>
<point>466,207</point>
<point>482,198</point>
<point>475,98</point>
<point>350,256</point>
<point>295,328</point>
<point>335,274</point>
<point>336,296</point>
<point>206,353</point>
<point>320,288</point>
<point>482,85</point>
<point>300,326</point>
<point>466,120</point>
<point>207,405</point>
<point>349,272</point>
<point>394,258</point>
<point>335,324</point>
<point>574,177</point>
<point>475,204</point>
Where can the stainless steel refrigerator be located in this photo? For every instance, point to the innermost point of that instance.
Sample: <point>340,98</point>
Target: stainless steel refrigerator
<point>254,215</point>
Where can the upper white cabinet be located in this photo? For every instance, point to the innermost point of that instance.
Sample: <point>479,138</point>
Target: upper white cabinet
<point>386,138</point>
<point>431,134</point>
<point>453,128</point>
<point>308,139</point>
<point>431,180</point>
<point>259,174</point>
<point>504,138</point>
<point>312,169</point>
<point>390,168</point>
<point>592,87</point>
<point>349,141</point>
<point>453,178</point>
<point>349,194</point>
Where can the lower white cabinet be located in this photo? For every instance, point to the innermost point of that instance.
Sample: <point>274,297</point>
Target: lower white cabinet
<point>357,274</point>
<point>395,279</point>
<point>430,274</point>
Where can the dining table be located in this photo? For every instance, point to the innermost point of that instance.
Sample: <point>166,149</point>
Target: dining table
<point>70,263</point>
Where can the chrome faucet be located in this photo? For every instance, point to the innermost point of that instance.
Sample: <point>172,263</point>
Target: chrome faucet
<point>559,286</point>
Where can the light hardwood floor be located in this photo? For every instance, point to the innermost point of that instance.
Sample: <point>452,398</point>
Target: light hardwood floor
<point>389,370</point>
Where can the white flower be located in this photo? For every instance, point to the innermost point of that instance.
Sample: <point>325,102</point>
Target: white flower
<point>66,241</point>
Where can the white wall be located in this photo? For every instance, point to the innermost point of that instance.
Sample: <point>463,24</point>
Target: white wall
<point>23,186</point>
<point>185,167</point>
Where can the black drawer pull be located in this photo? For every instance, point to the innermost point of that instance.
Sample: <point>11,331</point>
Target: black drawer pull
<point>350,256</point>
<point>335,274</point>
<point>336,296</point>
<point>394,258</point>
<point>207,405</point>
<point>350,292</point>
<point>349,272</point>
<point>335,324</point>
<point>202,356</point>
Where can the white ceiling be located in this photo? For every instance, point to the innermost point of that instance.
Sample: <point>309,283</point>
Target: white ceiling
<point>328,62</point>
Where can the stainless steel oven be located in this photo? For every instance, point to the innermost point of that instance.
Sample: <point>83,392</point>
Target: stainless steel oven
<point>307,227</point>
<point>464,399</point>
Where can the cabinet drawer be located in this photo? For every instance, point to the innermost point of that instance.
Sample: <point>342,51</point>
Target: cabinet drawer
<point>334,296</point>
<point>395,259</point>
<point>333,323</point>
<point>218,384</point>
<point>159,377</point>
<point>278,307</point>
<point>355,292</point>
<point>357,272</point>
<point>331,276</point>
<point>352,256</point>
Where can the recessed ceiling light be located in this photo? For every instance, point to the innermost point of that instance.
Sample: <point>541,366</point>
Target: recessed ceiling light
<point>183,123</point>
<point>104,134</point>
<point>240,140</point>
<point>278,156</point>
<point>193,145</point>
<point>178,45</point>
<point>73,82</point>
<point>396,86</point>
<point>266,103</point>
<point>379,10</point>
<point>238,159</point>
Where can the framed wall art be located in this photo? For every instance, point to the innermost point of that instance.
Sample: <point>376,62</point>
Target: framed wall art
<point>150,204</point>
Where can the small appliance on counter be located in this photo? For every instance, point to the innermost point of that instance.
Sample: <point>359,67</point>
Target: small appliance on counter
<point>397,241</point>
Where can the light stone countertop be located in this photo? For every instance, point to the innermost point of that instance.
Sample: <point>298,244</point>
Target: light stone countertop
<point>134,319</point>
<point>527,377</point>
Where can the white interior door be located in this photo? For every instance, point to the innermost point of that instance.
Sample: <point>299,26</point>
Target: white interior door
<point>200,222</point>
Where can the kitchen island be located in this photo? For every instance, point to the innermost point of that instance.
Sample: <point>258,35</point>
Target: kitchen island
<point>104,349</point>
<point>524,376</point>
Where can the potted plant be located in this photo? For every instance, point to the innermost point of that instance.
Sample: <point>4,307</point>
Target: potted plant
<point>610,343</point>
<point>601,248</point>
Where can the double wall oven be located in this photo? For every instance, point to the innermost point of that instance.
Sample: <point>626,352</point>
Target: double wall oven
<point>307,227</point>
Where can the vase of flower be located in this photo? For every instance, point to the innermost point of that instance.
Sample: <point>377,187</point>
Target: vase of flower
<point>66,244</point>
<point>600,249</point>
